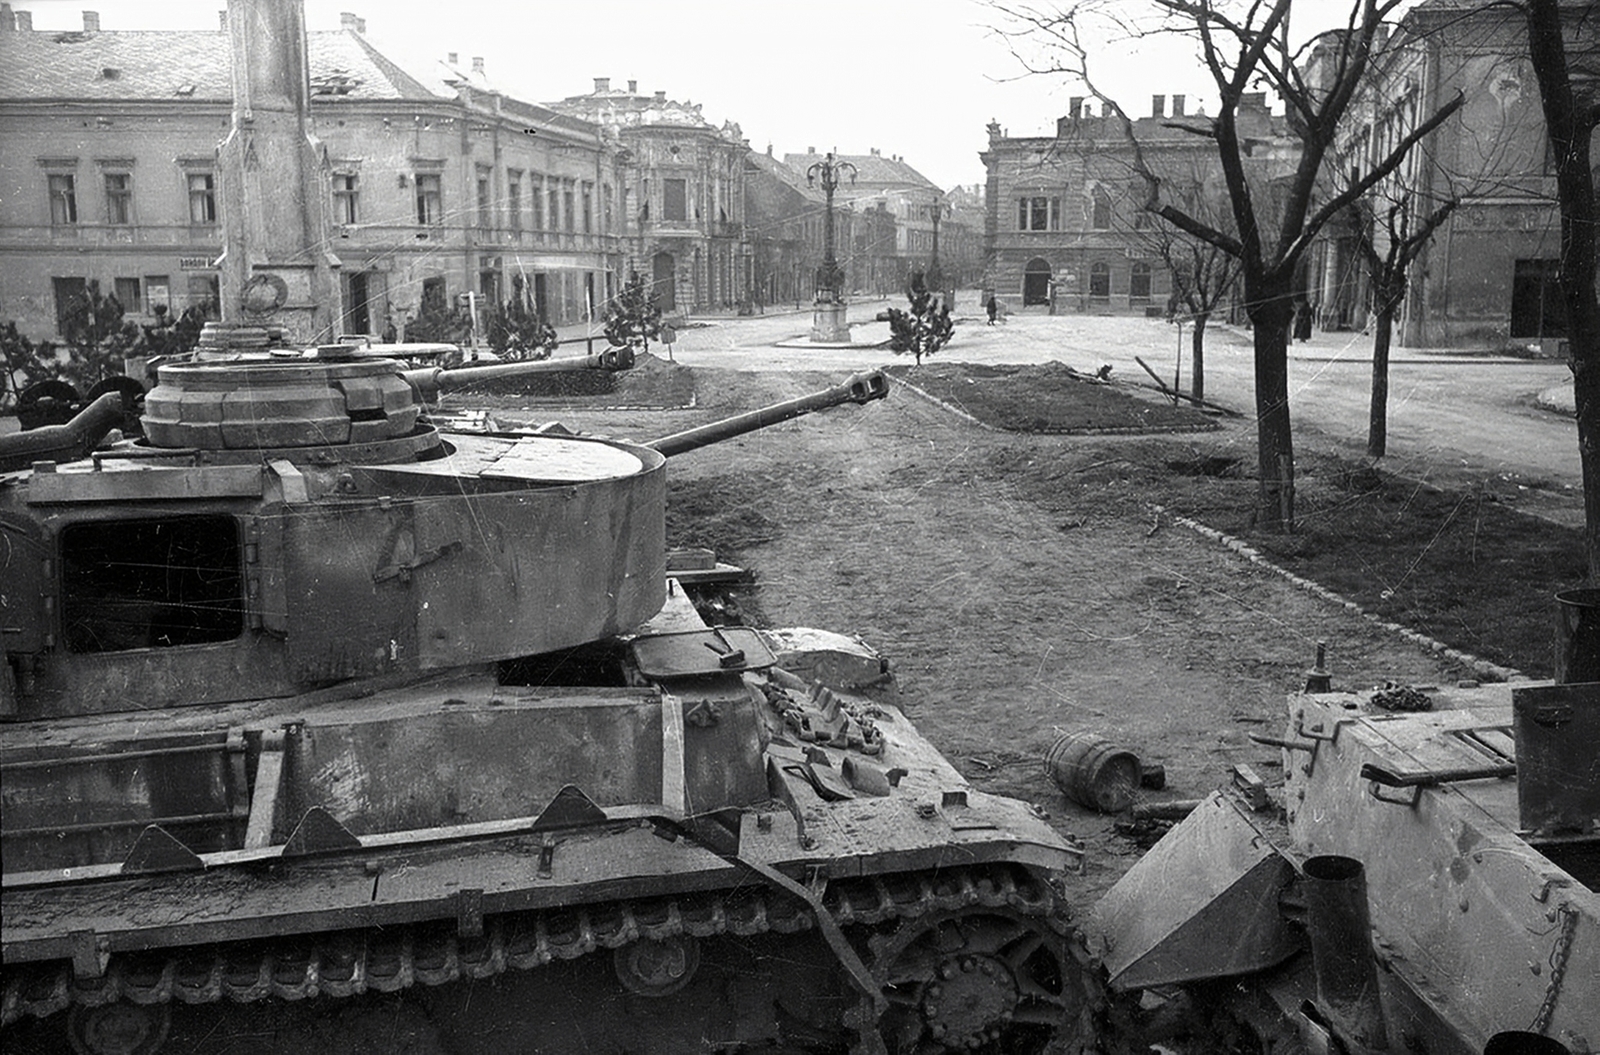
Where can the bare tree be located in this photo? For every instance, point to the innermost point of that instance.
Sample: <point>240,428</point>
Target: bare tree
<point>1204,275</point>
<point>1571,121</point>
<point>1401,238</point>
<point>1242,45</point>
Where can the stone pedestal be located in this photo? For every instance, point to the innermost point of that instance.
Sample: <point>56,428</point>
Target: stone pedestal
<point>828,324</point>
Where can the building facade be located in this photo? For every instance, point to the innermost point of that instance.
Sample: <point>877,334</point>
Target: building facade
<point>884,219</point>
<point>1489,274</point>
<point>439,184</point>
<point>683,195</point>
<point>1065,229</point>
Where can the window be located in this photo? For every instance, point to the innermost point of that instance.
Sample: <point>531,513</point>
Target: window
<point>674,200</point>
<point>154,583</point>
<point>204,292</point>
<point>1139,282</point>
<point>157,292</point>
<point>1100,280</point>
<point>588,208</point>
<point>536,196</point>
<point>127,290</point>
<point>553,197</point>
<point>485,198</point>
<point>202,198</point>
<point>568,213</point>
<point>1102,209</point>
<point>119,198</point>
<point>1039,214</point>
<point>63,199</point>
<point>430,202</point>
<point>514,199</point>
<point>346,191</point>
<point>70,293</point>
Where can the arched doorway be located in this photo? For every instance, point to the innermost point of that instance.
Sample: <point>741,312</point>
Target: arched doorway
<point>1036,282</point>
<point>663,273</point>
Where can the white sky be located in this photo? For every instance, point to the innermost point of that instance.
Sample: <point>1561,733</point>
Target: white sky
<point>918,78</point>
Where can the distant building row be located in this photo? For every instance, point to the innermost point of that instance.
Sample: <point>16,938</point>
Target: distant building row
<point>439,185</point>
<point>1064,226</point>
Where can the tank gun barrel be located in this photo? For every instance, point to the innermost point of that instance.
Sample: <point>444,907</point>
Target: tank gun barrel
<point>62,442</point>
<point>432,380</point>
<point>860,388</point>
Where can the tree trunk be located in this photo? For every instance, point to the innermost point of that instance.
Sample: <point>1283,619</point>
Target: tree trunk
<point>1378,414</point>
<point>1197,345</point>
<point>1570,131</point>
<point>1272,318</point>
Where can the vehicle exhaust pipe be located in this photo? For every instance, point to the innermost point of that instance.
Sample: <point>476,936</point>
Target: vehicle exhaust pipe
<point>62,443</point>
<point>1341,949</point>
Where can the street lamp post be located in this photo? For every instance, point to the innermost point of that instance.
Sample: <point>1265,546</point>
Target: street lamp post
<point>935,278</point>
<point>828,323</point>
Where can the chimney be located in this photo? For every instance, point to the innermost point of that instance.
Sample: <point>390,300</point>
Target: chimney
<point>1177,105</point>
<point>91,21</point>
<point>1158,106</point>
<point>8,21</point>
<point>24,21</point>
<point>1253,101</point>
<point>222,20</point>
<point>1075,107</point>
<point>602,84</point>
<point>453,58</point>
<point>477,65</point>
<point>811,150</point>
<point>661,97</point>
<point>351,22</point>
<point>633,87</point>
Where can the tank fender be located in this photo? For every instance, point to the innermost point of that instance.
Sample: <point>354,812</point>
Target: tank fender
<point>1202,903</point>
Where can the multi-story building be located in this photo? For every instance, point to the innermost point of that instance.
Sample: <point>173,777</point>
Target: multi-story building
<point>1489,273</point>
<point>891,229</point>
<point>1065,226</point>
<point>784,218</point>
<point>439,185</point>
<point>961,240</point>
<point>684,195</point>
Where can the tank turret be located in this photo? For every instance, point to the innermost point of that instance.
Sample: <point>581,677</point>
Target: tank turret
<point>305,696</point>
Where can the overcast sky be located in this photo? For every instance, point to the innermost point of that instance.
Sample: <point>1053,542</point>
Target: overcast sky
<point>918,78</point>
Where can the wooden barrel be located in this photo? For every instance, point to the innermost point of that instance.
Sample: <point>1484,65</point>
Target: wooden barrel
<point>1093,771</point>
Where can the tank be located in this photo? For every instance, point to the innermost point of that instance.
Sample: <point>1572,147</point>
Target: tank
<point>1426,882</point>
<point>324,725</point>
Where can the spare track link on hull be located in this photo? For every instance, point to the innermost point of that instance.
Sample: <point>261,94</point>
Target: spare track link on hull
<point>348,963</point>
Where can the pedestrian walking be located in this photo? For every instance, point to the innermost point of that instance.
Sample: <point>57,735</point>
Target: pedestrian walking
<point>992,307</point>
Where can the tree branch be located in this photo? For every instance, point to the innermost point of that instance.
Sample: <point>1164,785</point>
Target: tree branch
<point>1372,178</point>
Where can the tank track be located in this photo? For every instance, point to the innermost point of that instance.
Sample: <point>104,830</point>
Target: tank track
<point>349,963</point>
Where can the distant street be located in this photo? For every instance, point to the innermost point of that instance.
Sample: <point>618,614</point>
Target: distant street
<point>1453,418</point>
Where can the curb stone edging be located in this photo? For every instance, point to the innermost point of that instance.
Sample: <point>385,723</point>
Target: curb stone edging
<point>1484,668</point>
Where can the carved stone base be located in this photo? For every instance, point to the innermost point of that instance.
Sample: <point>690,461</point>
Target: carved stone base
<point>828,324</point>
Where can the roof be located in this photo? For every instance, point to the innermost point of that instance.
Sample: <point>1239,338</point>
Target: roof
<point>783,173</point>
<point>180,64</point>
<point>871,169</point>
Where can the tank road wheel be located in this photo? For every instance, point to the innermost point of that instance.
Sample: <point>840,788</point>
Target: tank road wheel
<point>118,1028</point>
<point>974,981</point>
<point>653,967</point>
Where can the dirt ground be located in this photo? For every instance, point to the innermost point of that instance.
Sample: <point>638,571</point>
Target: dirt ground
<point>1013,610</point>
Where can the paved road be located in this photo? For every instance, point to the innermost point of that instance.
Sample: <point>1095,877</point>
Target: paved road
<point>1453,417</point>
